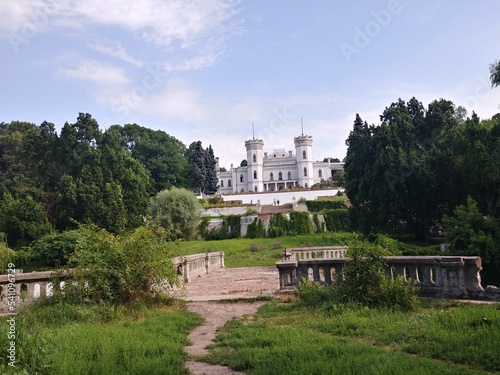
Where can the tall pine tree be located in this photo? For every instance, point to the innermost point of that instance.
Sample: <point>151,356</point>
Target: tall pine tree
<point>211,180</point>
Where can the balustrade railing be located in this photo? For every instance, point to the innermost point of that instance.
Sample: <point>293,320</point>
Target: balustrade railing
<point>21,288</point>
<point>435,276</point>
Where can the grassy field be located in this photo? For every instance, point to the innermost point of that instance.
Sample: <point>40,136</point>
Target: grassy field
<point>253,252</point>
<point>447,338</point>
<point>137,339</point>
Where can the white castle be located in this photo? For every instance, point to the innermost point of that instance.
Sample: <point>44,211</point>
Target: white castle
<point>279,170</point>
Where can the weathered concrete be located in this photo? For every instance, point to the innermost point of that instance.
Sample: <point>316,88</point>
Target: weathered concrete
<point>435,276</point>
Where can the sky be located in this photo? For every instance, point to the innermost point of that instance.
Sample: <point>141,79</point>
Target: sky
<point>224,71</point>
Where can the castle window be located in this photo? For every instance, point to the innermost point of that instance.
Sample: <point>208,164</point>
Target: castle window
<point>304,155</point>
<point>305,171</point>
<point>289,175</point>
<point>242,190</point>
<point>305,185</point>
<point>221,183</point>
<point>254,158</point>
<point>228,183</point>
<point>280,176</point>
<point>271,176</point>
<point>241,178</point>
<point>255,174</point>
<point>320,174</point>
<point>255,188</point>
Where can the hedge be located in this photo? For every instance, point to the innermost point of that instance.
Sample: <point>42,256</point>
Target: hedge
<point>338,220</point>
<point>322,205</point>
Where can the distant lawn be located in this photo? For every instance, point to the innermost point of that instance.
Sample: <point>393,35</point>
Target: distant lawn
<point>253,252</point>
<point>449,338</point>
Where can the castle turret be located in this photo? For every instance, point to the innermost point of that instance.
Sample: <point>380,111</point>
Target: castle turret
<point>255,157</point>
<point>303,153</point>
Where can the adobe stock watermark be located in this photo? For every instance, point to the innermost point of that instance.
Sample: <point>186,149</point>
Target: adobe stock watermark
<point>277,124</point>
<point>364,36</point>
<point>11,321</point>
<point>152,80</point>
<point>36,22</point>
<point>482,91</point>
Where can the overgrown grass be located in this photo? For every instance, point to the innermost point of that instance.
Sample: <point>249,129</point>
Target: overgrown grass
<point>253,252</point>
<point>448,338</point>
<point>143,337</point>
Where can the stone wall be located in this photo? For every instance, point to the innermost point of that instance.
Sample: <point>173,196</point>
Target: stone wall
<point>435,276</point>
<point>22,288</point>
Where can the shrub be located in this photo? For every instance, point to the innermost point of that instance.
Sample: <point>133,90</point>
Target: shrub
<point>256,229</point>
<point>278,225</point>
<point>366,284</point>
<point>299,224</point>
<point>338,220</point>
<point>321,205</point>
<point>114,270</point>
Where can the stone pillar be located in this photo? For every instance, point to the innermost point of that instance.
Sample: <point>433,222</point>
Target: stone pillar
<point>287,274</point>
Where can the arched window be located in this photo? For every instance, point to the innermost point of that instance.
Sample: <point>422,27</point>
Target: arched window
<point>320,174</point>
<point>242,190</point>
<point>305,171</point>
<point>254,158</point>
<point>304,155</point>
<point>255,175</point>
<point>280,176</point>
<point>228,183</point>
<point>289,175</point>
<point>221,183</point>
<point>305,185</point>
<point>255,188</point>
<point>271,176</point>
<point>241,178</point>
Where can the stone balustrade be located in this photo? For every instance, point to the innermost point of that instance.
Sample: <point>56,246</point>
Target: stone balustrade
<point>325,252</point>
<point>435,276</point>
<point>190,267</point>
<point>25,287</point>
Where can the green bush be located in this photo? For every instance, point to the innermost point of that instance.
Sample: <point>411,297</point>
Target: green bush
<point>278,225</point>
<point>113,269</point>
<point>256,229</point>
<point>338,220</point>
<point>54,250</point>
<point>365,284</point>
<point>299,224</point>
<point>321,205</point>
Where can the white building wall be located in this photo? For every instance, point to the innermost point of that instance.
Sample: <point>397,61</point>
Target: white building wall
<point>275,162</point>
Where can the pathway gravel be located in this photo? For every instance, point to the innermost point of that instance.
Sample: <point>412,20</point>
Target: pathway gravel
<point>202,295</point>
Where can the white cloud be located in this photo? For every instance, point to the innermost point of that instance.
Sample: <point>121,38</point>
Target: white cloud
<point>116,49</point>
<point>97,72</point>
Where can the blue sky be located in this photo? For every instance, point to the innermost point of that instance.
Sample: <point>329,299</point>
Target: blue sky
<point>207,69</point>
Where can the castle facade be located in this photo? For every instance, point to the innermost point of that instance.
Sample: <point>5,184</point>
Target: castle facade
<point>278,170</point>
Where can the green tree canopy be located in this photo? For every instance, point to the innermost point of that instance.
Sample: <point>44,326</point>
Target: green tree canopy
<point>176,210</point>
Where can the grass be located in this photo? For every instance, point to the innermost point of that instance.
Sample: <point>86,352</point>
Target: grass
<point>447,338</point>
<point>147,337</point>
<point>254,252</point>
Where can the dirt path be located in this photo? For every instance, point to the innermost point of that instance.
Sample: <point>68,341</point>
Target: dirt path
<point>229,283</point>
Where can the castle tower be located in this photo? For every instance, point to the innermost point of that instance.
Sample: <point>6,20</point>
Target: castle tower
<point>255,156</point>
<point>303,153</point>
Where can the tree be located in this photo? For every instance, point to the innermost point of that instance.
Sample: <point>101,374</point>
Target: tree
<point>163,156</point>
<point>331,160</point>
<point>394,171</point>
<point>176,210</point>
<point>198,170</point>
<point>211,180</point>
<point>471,233</point>
<point>244,163</point>
<point>495,73</point>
